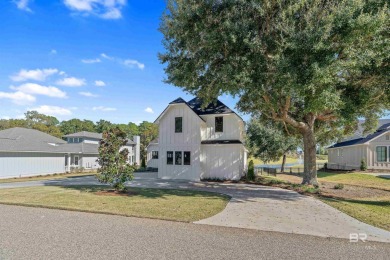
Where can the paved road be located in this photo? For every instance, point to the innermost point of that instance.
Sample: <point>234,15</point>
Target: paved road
<point>257,207</point>
<point>37,233</point>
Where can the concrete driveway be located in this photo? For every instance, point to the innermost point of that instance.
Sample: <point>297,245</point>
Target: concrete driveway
<point>255,207</point>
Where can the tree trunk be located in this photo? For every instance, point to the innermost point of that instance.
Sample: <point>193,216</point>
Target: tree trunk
<point>310,167</point>
<point>283,163</point>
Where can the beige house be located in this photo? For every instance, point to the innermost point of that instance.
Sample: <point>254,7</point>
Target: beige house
<point>374,148</point>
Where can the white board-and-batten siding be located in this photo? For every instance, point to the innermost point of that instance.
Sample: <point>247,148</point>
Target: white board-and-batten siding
<point>20,164</point>
<point>349,157</point>
<point>152,163</point>
<point>226,161</point>
<point>233,128</point>
<point>188,140</point>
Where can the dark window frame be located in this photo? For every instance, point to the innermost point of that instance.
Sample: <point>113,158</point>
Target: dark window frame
<point>169,158</point>
<point>187,158</point>
<point>218,125</point>
<point>178,160</point>
<point>154,154</point>
<point>382,152</point>
<point>179,128</point>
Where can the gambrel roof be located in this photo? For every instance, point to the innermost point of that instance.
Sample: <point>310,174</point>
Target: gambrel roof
<point>195,105</point>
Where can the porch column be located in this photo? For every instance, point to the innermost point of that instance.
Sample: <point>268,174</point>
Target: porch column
<point>69,157</point>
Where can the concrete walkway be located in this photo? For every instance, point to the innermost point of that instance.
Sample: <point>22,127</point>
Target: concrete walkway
<point>256,207</point>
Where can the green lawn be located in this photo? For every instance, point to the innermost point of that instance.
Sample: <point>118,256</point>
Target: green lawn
<point>178,205</point>
<point>288,160</point>
<point>370,211</point>
<point>357,179</point>
<point>46,177</point>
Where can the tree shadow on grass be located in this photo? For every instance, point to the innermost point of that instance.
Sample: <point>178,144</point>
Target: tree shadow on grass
<point>380,203</point>
<point>150,193</point>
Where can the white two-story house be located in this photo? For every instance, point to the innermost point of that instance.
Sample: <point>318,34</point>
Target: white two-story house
<point>196,143</point>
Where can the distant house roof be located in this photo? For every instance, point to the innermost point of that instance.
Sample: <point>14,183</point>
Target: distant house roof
<point>84,148</point>
<point>20,139</point>
<point>362,140</point>
<point>85,134</point>
<point>92,135</point>
<point>359,132</point>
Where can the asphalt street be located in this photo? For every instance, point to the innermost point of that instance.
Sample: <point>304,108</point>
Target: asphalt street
<point>37,233</point>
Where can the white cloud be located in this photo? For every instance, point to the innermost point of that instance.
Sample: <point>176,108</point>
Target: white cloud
<point>23,5</point>
<point>90,61</point>
<point>54,52</point>
<point>134,63</point>
<point>102,108</point>
<point>106,9</point>
<point>52,110</point>
<point>88,94</point>
<point>149,110</point>
<point>127,62</point>
<point>36,89</point>
<point>113,13</point>
<point>100,83</point>
<point>18,97</point>
<point>38,74</point>
<point>71,82</point>
<point>106,56</point>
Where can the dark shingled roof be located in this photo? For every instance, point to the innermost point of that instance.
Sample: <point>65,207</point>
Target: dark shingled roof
<point>178,101</point>
<point>216,107</point>
<point>384,128</point>
<point>221,142</point>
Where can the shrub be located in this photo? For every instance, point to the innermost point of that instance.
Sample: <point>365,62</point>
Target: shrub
<point>251,171</point>
<point>339,186</point>
<point>143,164</point>
<point>363,165</point>
<point>325,166</point>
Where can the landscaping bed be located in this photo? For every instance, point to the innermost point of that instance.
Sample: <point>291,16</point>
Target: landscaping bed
<point>168,204</point>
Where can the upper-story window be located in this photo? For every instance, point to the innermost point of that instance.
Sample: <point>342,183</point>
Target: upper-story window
<point>154,154</point>
<point>219,124</point>
<point>178,125</point>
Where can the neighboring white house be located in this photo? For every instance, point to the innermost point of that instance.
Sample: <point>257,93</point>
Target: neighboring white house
<point>28,152</point>
<point>196,143</point>
<point>87,144</point>
<point>374,148</point>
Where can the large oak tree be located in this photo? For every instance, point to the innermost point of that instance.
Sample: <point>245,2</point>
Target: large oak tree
<point>315,66</point>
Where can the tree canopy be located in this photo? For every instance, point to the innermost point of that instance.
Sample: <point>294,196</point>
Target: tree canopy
<point>315,66</point>
<point>113,159</point>
<point>269,142</point>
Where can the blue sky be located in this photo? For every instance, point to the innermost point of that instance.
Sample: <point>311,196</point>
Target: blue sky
<point>87,59</point>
